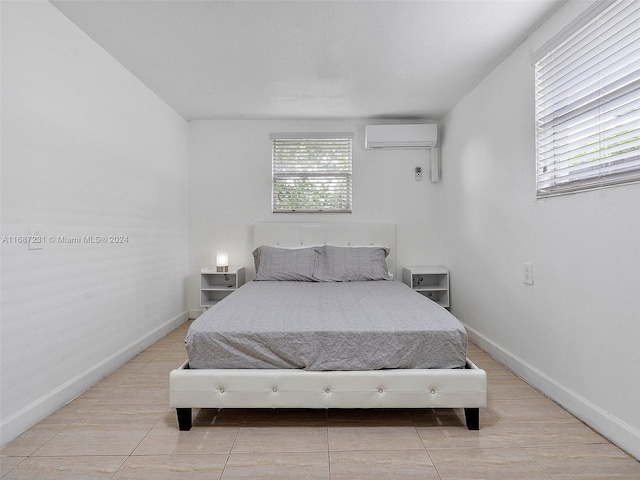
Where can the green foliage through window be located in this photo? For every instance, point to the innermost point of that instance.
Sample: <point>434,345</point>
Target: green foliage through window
<point>312,175</point>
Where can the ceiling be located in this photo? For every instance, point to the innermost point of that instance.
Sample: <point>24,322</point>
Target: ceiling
<point>300,59</point>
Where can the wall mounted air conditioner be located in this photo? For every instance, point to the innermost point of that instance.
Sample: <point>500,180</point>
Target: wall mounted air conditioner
<point>401,136</point>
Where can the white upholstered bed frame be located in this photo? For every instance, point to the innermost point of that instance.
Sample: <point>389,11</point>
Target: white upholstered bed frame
<point>290,388</point>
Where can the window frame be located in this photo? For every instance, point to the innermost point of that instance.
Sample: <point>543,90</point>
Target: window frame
<point>314,164</point>
<point>589,125</point>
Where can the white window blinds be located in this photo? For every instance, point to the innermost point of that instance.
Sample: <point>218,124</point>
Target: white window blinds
<point>312,172</point>
<point>588,103</point>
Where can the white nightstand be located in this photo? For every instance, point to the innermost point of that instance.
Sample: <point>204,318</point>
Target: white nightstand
<point>432,282</point>
<point>214,285</point>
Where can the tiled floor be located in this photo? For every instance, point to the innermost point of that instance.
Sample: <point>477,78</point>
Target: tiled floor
<point>123,428</point>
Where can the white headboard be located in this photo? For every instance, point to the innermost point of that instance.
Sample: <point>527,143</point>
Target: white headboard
<point>289,235</point>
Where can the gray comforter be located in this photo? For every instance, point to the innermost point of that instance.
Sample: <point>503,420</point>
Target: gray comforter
<point>326,326</point>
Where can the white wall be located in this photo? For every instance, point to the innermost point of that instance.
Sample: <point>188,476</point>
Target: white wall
<point>86,150</point>
<point>575,332</point>
<point>230,190</point>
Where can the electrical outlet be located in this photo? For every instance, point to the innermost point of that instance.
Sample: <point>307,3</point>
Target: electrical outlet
<point>418,174</point>
<point>528,273</point>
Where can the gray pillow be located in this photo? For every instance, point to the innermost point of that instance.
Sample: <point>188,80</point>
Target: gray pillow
<point>284,264</point>
<point>351,264</point>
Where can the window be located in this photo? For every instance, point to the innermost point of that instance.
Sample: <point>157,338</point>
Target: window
<point>312,172</point>
<point>588,102</point>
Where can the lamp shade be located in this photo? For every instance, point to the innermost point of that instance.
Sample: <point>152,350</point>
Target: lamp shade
<point>222,261</point>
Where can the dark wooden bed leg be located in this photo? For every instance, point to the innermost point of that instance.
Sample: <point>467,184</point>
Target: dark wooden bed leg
<point>184,418</point>
<point>472,416</point>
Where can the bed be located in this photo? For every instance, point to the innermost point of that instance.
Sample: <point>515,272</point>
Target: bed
<point>287,340</point>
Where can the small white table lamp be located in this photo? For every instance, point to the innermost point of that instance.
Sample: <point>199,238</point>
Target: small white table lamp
<point>222,261</point>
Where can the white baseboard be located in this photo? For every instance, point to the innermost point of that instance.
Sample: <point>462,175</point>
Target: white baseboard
<point>609,426</point>
<point>193,314</point>
<point>39,409</point>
